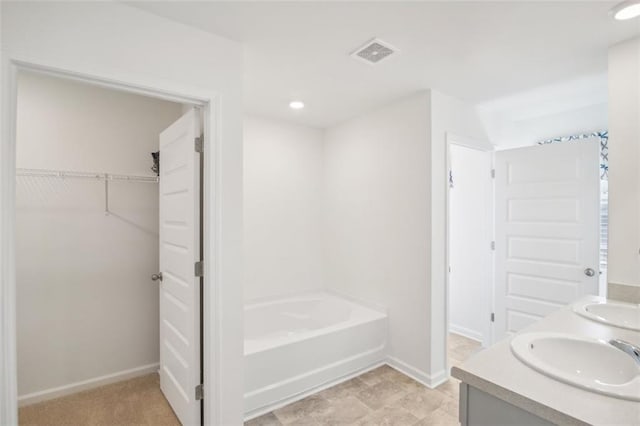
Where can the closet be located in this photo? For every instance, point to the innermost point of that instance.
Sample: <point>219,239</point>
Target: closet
<point>87,235</point>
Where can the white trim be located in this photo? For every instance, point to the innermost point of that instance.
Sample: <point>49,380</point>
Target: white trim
<point>416,374</point>
<point>430,381</point>
<point>211,231</point>
<point>626,284</point>
<point>465,332</point>
<point>83,385</point>
<point>141,84</point>
<point>297,397</point>
<point>8,376</point>
<point>108,83</point>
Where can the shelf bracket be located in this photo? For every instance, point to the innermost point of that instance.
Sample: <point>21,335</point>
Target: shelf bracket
<point>106,194</point>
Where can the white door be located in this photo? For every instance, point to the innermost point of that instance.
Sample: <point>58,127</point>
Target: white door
<point>547,229</point>
<point>179,252</point>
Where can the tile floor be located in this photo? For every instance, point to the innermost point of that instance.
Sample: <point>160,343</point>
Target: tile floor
<point>379,397</point>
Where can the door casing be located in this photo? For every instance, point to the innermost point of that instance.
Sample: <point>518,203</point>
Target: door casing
<point>476,219</point>
<point>487,303</point>
<point>209,102</point>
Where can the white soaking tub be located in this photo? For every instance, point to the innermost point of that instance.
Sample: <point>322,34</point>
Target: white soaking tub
<point>296,345</point>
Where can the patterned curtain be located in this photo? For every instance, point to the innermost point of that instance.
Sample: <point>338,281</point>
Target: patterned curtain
<point>602,136</point>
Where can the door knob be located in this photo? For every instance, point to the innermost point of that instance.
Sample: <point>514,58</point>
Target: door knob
<point>157,277</point>
<point>589,272</point>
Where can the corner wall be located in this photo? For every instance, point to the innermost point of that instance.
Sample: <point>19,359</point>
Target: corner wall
<point>624,175</point>
<point>385,219</point>
<point>283,169</point>
<point>377,220</point>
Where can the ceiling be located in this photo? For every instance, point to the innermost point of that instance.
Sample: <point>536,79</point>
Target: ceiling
<point>568,108</point>
<point>483,52</point>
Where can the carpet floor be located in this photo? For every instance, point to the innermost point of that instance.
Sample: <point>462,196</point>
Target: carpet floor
<point>132,402</point>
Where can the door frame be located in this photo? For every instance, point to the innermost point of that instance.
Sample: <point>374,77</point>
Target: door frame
<point>487,303</point>
<point>209,102</point>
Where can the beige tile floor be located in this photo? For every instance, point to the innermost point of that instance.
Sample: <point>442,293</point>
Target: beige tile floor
<point>379,397</point>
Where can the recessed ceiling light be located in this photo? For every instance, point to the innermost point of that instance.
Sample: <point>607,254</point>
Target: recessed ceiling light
<point>626,10</point>
<point>296,104</point>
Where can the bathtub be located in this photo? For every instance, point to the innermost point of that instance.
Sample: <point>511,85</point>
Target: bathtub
<point>298,345</point>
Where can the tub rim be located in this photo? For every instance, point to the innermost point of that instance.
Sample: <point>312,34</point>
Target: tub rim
<point>373,314</point>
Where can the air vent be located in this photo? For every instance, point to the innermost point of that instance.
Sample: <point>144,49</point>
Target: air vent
<point>373,51</point>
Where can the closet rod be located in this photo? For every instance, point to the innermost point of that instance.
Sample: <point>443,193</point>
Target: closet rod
<point>106,177</point>
<point>86,175</point>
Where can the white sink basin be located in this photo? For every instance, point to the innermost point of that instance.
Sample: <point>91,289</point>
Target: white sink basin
<point>617,314</point>
<point>583,362</point>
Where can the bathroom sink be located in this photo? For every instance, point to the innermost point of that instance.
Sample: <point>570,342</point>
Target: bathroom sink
<point>617,314</point>
<point>587,363</point>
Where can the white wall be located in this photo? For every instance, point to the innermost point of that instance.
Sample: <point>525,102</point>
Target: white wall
<point>282,208</point>
<point>624,157</point>
<point>85,304</point>
<point>448,116</point>
<point>385,218</point>
<point>377,224</point>
<point>116,42</point>
<point>470,220</point>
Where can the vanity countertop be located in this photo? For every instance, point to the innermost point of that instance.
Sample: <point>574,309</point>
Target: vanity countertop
<point>498,372</point>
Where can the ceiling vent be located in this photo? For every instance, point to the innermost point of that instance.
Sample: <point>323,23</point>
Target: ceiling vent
<point>373,51</point>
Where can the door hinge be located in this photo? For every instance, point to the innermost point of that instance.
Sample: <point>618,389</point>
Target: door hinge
<point>199,268</point>
<point>199,392</point>
<point>199,144</point>
<point>493,173</point>
<point>493,317</point>
<point>493,245</point>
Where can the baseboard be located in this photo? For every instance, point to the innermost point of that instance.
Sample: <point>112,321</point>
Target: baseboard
<point>623,292</point>
<point>466,332</point>
<point>430,381</point>
<point>286,401</point>
<point>72,388</point>
<point>439,378</point>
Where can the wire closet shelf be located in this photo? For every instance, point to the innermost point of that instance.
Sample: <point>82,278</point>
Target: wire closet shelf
<point>95,176</point>
<point>86,175</point>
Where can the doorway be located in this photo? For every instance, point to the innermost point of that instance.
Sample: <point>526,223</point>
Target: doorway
<point>94,222</point>
<point>547,205</point>
<point>470,209</point>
